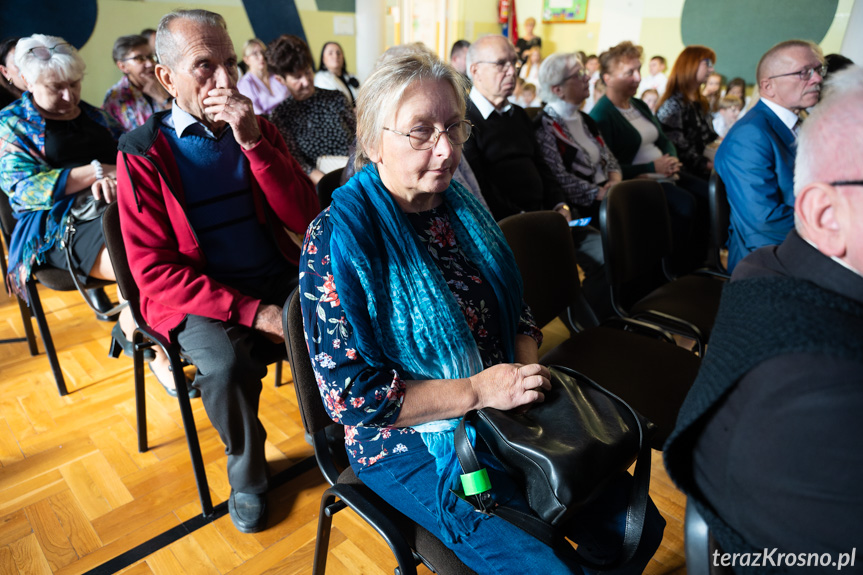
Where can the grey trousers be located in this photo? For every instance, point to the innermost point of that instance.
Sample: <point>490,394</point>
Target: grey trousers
<point>231,360</point>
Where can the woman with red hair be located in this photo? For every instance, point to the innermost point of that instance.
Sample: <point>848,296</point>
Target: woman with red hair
<point>683,110</point>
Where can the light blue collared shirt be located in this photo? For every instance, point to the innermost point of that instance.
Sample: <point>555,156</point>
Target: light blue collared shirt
<point>181,120</point>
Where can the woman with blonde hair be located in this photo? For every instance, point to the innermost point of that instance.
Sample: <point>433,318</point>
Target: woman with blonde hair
<point>258,84</point>
<point>684,111</point>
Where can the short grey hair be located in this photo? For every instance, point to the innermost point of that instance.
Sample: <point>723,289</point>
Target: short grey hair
<point>552,72</point>
<point>381,95</point>
<point>830,143</point>
<point>69,67</point>
<point>167,49</point>
<point>474,51</point>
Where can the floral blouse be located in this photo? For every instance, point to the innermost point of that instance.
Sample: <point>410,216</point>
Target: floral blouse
<point>366,400</point>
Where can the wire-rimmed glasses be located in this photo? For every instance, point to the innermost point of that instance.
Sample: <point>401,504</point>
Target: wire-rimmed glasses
<point>805,74</point>
<point>425,137</point>
<point>44,52</point>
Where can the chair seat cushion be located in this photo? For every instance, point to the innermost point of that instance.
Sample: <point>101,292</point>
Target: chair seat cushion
<point>61,280</point>
<point>694,298</point>
<point>653,376</point>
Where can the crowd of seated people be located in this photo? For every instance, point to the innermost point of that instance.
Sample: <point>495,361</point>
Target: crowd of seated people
<point>414,128</point>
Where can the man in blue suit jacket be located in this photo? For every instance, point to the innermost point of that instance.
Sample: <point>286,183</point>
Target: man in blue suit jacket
<point>756,159</point>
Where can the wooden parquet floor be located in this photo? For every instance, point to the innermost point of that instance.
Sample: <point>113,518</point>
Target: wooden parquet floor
<point>77,497</point>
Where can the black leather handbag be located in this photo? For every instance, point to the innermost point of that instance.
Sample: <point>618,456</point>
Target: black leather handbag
<point>563,452</point>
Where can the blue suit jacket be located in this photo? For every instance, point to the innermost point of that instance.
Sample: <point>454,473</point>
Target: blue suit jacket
<point>756,163</point>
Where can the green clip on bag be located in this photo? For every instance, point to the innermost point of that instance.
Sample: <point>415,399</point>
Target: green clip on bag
<point>563,452</point>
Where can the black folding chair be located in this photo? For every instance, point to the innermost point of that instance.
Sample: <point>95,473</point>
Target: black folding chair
<point>636,240</point>
<point>54,278</point>
<point>720,218</point>
<point>636,361</point>
<point>409,542</point>
<point>327,185</point>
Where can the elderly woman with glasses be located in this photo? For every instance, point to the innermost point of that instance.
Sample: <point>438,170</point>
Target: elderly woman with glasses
<point>684,111</point>
<point>413,312</point>
<point>138,95</point>
<point>318,125</point>
<point>57,165</point>
<point>569,139</point>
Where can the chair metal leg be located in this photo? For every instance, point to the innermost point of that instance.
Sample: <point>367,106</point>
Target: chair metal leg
<point>39,314</point>
<point>322,542</point>
<point>140,395</point>
<point>27,321</point>
<point>192,436</point>
<point>279,372</point>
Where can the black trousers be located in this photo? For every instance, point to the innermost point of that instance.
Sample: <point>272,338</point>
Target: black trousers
<point>231,361</point>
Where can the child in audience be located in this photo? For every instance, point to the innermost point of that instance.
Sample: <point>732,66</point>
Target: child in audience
<point>729,110</point>
<point>651,98</point>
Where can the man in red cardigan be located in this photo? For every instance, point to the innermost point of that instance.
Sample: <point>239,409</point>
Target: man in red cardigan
<point>210,200</point>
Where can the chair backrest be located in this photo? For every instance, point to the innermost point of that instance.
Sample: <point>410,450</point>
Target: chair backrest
<point>117,250</point>
<point>327,185</point>
<point>541,241</point>
<point>720,217</point>
<point>636,238</point>
<point>315,418</point>
<point>7,218</point>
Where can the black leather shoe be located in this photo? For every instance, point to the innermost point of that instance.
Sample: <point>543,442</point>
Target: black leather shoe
<point>100,300</point>
<point>248,511</point>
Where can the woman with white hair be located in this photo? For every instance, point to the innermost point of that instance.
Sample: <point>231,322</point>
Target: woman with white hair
<point>569,139</point>
<point>413,325</point>
<point>57,165</point>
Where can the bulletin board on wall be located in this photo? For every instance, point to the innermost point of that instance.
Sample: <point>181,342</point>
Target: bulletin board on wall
<point>564,11</point>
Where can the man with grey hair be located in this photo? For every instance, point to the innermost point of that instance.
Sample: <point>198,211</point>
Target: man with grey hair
<point>756,158</point>
<point>767,444</point>
<point>509,165</point>
<point>210,201</point>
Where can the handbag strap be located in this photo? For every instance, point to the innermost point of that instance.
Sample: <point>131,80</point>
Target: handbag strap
<point>638,496</point>
<point>484,503</point>
<point>66,244</point>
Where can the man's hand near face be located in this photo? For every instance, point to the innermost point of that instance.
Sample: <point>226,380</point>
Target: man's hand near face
<point>229,106</point>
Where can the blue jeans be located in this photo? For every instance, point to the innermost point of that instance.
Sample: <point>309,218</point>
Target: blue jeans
<point>407,483</point>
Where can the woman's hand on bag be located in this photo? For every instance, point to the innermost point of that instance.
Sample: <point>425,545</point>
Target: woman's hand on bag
<point>105,189</point>
<point>510,385</point>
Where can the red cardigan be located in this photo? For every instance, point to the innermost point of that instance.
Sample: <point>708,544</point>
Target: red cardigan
<point>166,260</point>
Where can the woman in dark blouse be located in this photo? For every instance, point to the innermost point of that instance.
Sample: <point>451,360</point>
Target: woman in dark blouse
<point>314,123</point>
<point>684,113</point>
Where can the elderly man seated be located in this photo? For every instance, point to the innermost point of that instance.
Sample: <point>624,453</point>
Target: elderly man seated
<point>767,445</point>
<point>207,194</point>
<point>508,162</point>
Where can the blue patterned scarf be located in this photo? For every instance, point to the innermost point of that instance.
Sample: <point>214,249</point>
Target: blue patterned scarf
<point>402,309</point>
